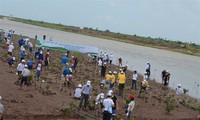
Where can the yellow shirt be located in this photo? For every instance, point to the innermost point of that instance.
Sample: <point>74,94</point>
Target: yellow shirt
<point>122,78</point>
<point>145,83</point>
<point>108,77</point>
<point>113,78</point>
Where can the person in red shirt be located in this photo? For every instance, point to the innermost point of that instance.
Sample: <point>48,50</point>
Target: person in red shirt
<point>119,61</point>
<point>74,63</point>
<point>46,60</point>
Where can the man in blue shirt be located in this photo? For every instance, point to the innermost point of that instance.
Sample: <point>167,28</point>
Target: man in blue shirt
<point>11,61</point>
<point>86,90</point>
<point>64,59</point>
<point>30,64</point>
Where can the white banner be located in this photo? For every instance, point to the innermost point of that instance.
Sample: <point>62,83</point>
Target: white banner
<point>70,47</point>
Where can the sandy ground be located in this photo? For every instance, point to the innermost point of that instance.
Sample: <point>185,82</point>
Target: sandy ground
<point>184,69</point>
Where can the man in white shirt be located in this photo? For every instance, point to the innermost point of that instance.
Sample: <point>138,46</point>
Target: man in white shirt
<point>10,49</point>
<point>25,74</point>
<point>108,104</point>
<point>77,92</point>
<point>20,68</point>
<point>134,79</point>
<point>179,90</point>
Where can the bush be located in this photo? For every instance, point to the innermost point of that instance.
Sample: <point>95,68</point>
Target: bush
<point>169,107</point>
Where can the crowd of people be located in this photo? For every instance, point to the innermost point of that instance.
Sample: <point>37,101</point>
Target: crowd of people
<point>107,103</point>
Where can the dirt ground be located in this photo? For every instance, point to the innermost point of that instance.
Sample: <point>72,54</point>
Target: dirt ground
<point>46,102</point>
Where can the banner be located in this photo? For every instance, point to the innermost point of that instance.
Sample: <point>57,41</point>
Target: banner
<point>70,47</point>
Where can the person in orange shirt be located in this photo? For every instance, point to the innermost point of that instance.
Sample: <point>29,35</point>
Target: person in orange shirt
<point>122,80</point>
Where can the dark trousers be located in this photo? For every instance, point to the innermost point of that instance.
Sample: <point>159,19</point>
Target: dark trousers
<point>134,84</point>
<point>106,115</point>
<point>84,97</point>
<point>121,88</point>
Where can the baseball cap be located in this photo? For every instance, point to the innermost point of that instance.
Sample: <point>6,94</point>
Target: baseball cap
<point>88,82</point>
<point>110,72</point>
<point>25,66</point>
<point>23,60</point>
<point>110,91</point>
<point>109,94</point>
<point>79,85</point>
<point>13,58</point>
<point>179,85</point>
<point>131,97</point>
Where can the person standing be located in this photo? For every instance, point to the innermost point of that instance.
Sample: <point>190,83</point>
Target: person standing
<point>75,62</point>
<point>148,70</point>
<point>103,70</point>
<point>25,74</point>
<point>108,104</point>
<point>134,80</point>
<point>120,62</point>
<point>108,78</point>
<point>46,60</point>
<point>10,49</point>
<point>115,107</point>
<point>111,59</point>
<point>130,108</point>
<point>122,80</point>
<point>1,110</point>
<point>64,59</point>
<point>39,69</point>
<point>112,80</point>
<point>86,90</point>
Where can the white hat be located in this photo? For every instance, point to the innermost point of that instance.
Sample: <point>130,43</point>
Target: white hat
<point>65,53</point>
<point>110,91</point>
<point>72,56</point>
<point>179,85</point>
<point>11,43</point>
<point>88,82</point>
<point>102,95</point>
<point>145,72</point>
<point>41,52</point>
<point>25,66</point>
<point>110,72</point>
<point>23,60</point>
<point>79,85</point>
<point>109,94</point>
<point>114,72</point>
<point>47,52</point>
<point>104,63</point>
<point>13,58</point>
<point>122,72</point>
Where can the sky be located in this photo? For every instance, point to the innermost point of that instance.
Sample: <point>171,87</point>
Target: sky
<point>177,20</point>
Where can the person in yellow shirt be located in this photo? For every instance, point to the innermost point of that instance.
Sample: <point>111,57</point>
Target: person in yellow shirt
<point>144,86</point>
<point>108,78</point>
<point>122,80</point>
<point>112,81</point>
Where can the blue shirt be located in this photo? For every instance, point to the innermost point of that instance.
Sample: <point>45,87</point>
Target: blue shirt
<point>41,57</point>
<point>30,63</point>
<point>22,54</point>
<point>10,60</point>
<point>87,89</point>
<point>64,59</point>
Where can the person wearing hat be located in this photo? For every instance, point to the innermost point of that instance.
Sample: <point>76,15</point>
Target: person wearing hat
<point>144,87</point>
<point>179,90</point>
<point>122,80</point>
<point>115,107</point>
<point>77,92</point>
<point>11,61</point>
<point>10,49</point>
<point>41,56</point>
<point>25,74</point>
<point>99,103</point>
<point>39,69</point>
<point>112,80</point>
<point>20,68</point>
<point>1,109</point>
<point>108,104</point>
<point>65,73</point>
<point>30,64</point>
<point>130,108</point>
<point>86,90</point>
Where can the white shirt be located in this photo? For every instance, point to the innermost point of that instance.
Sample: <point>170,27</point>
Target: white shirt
<point>99,62</point>
<point>21,48</point>
<point>77,93</point>
<point>39,67</point>
<point>30,44</point>
<point>131,105</point>
<point>25,72</point>
<point>145,77</point>
<point>8,42</point>
<point>10,48</point>
<point>111,57</point>
<point>20,67</point>
<point>179,91</point>
<point>108,103</point>
<point>135,76</point>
